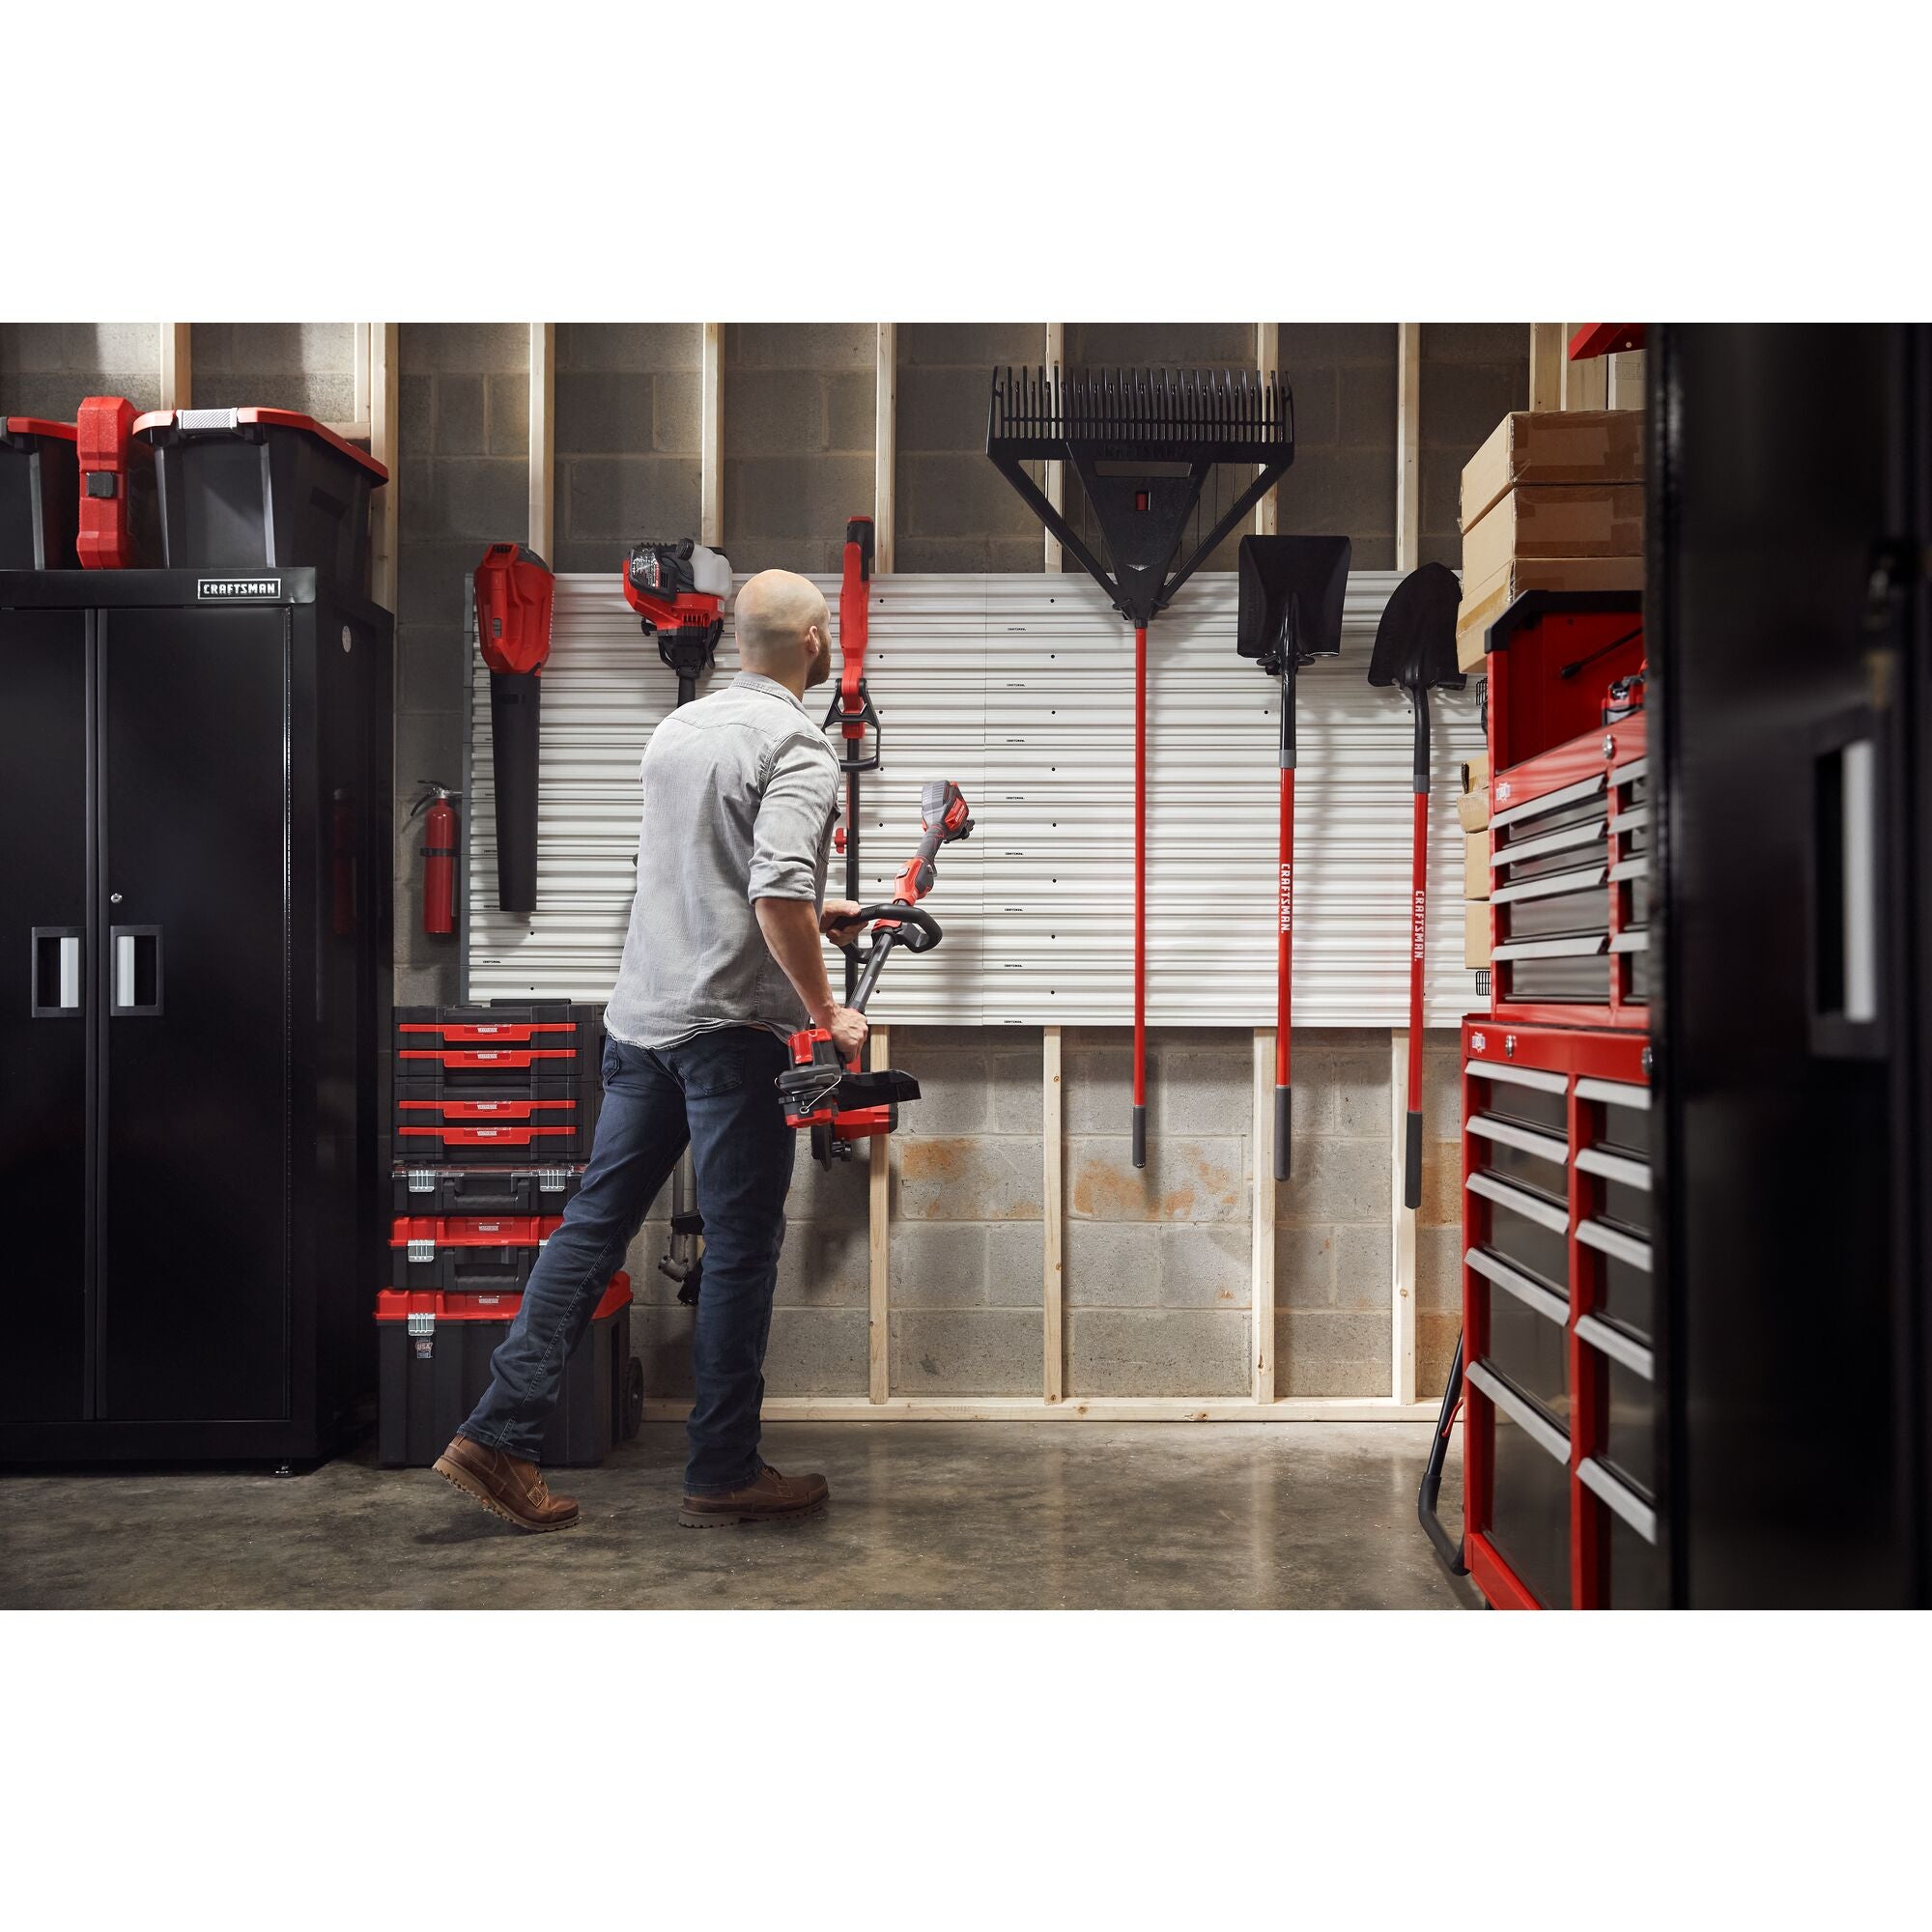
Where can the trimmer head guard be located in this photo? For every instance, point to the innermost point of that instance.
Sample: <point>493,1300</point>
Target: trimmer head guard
<point>1416,642</point>
<point>1292,595</point>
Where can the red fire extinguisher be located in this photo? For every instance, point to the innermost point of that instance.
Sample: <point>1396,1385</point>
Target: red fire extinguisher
<point>438,856</point>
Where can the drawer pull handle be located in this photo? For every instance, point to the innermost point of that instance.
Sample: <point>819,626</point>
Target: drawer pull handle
<point>1522,1412</point>
<point>1531,1293</point>
<point>1617,1167</point>
<point>1615,1343</point>
<point>1546,1147</point>
<point>1520,1200</point>
<point>1620,1496</point>
<point>1619,1247</point>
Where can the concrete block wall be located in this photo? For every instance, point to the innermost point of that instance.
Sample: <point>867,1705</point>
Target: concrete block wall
<point>800,408</point>
<point>1473,373</point>
<point>956,511</point>
<point>627,433</point>
<point>1342,482</point>
<point>968,1191</point>
<point>48,368</point>
<point>307,366</point>
<point>1168,345</point>
<point>462,443</point>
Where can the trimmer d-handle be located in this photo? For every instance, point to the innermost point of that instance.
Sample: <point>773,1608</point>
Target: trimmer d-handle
<point>840,1104</point>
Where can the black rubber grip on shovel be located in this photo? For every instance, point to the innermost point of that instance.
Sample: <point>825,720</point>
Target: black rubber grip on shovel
<point>1284,1114</point>
<point>1411,1164</point>
<point>1140,1136</point>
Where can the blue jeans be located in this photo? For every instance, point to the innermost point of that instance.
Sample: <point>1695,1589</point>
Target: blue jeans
<point>717,1092</point>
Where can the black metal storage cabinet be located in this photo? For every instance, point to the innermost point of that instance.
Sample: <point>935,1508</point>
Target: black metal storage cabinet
<point>1792,663</point>
<point>195,1010</point>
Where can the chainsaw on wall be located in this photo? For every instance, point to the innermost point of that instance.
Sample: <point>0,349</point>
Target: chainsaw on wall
<point>840,1104</point>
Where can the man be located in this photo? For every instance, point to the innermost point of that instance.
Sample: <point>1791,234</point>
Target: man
<point>721,963</point>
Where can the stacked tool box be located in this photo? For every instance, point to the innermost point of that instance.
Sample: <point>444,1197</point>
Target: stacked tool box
<point>493,1114</point>
<point>1559,1483</point>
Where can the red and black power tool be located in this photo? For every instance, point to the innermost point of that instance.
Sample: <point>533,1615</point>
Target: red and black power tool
<point>515,592</point>
<point>679,590</point>
<point>839,1103</point>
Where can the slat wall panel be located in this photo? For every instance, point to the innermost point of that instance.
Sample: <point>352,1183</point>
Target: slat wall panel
<point>1020,688</point>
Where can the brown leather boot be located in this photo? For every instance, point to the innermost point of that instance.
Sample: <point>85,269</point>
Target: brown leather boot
<point>506,1486</point>
<point>769,1498</point>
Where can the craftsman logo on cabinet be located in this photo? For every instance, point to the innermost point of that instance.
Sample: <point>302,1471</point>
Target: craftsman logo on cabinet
<point>217,590</point>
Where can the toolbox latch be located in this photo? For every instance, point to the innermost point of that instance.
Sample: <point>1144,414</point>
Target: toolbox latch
<point>422,1324</point>
<point>551,1180</point>
<point>422,1179</point>
<point>422,1251</point>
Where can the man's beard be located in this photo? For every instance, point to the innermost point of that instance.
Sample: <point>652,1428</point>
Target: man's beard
<point>821,669</point>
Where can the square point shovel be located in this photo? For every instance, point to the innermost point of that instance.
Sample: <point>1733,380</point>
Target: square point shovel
<point>1416,649</point>
<point>1291,614</point>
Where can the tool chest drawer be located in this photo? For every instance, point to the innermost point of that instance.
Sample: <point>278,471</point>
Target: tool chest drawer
<point>1528,1514</point>
<point>456,1254</point>
<point>1573,901</point>
<point>1567,971</point>
<point>483,1191</point>
<point>1530,1347</point>
<point>1620,1184</point>
<point>1531,1097</point>
<point>553,1024</point>
<point>1621,1259</point>
<point>1528,1155</point>
<point>1527,1230</point>
<point>495,1073</point>
<point>554,1129</point>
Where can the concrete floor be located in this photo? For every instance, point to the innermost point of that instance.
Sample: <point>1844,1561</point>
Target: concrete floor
<point>980,1516</point>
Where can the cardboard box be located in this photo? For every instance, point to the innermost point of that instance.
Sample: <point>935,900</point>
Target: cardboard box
<point>1476,864</point>
<point>1476,773</point>
<point>1476,936</point>
<point>1552,446</point>
<point>1473,809</point>
<point>1555,519</point>
<point>1484,602</point>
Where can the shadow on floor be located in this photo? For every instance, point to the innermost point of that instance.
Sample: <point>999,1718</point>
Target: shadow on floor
<point>955,1516</point>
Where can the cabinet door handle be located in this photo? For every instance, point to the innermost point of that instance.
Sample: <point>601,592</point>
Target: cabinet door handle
<point>136,952</point>
<point>56,981</point>
<point>1846,884</point>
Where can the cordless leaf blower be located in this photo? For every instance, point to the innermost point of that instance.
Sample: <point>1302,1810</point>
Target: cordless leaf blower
<point>514,593</point>
<point>1141,441</point>
<point>1291,614</point>
<point>1416,649</point>
<point>680,591</point>
<point>837,1102</point>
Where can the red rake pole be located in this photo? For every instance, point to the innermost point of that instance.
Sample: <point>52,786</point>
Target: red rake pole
<point>1139,895</point>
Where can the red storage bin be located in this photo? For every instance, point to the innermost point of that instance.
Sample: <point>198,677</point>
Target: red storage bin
<point>39,495</point>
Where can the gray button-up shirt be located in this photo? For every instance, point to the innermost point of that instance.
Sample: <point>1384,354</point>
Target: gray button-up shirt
<point>741,790</point>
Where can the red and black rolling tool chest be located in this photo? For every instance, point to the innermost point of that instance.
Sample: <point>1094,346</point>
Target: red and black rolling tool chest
<point>433,1354</point>
<point>1560,1493</point>
<point>247,490</point>
<point>39,495</point>
<point>467,1254</point>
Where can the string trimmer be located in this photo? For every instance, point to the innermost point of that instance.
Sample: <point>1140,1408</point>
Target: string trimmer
<point>839,1104</point>
<point>1141,443</point>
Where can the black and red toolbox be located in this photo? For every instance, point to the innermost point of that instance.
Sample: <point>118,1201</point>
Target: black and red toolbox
<point>458,1254</point>
<point>483,1191</point>
<point>39,495</point>
<point>250,489</point>
<point>515,1082</point>
<point>434,1353</point>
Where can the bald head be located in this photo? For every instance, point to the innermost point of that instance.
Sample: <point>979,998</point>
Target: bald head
<point>783,629</point>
